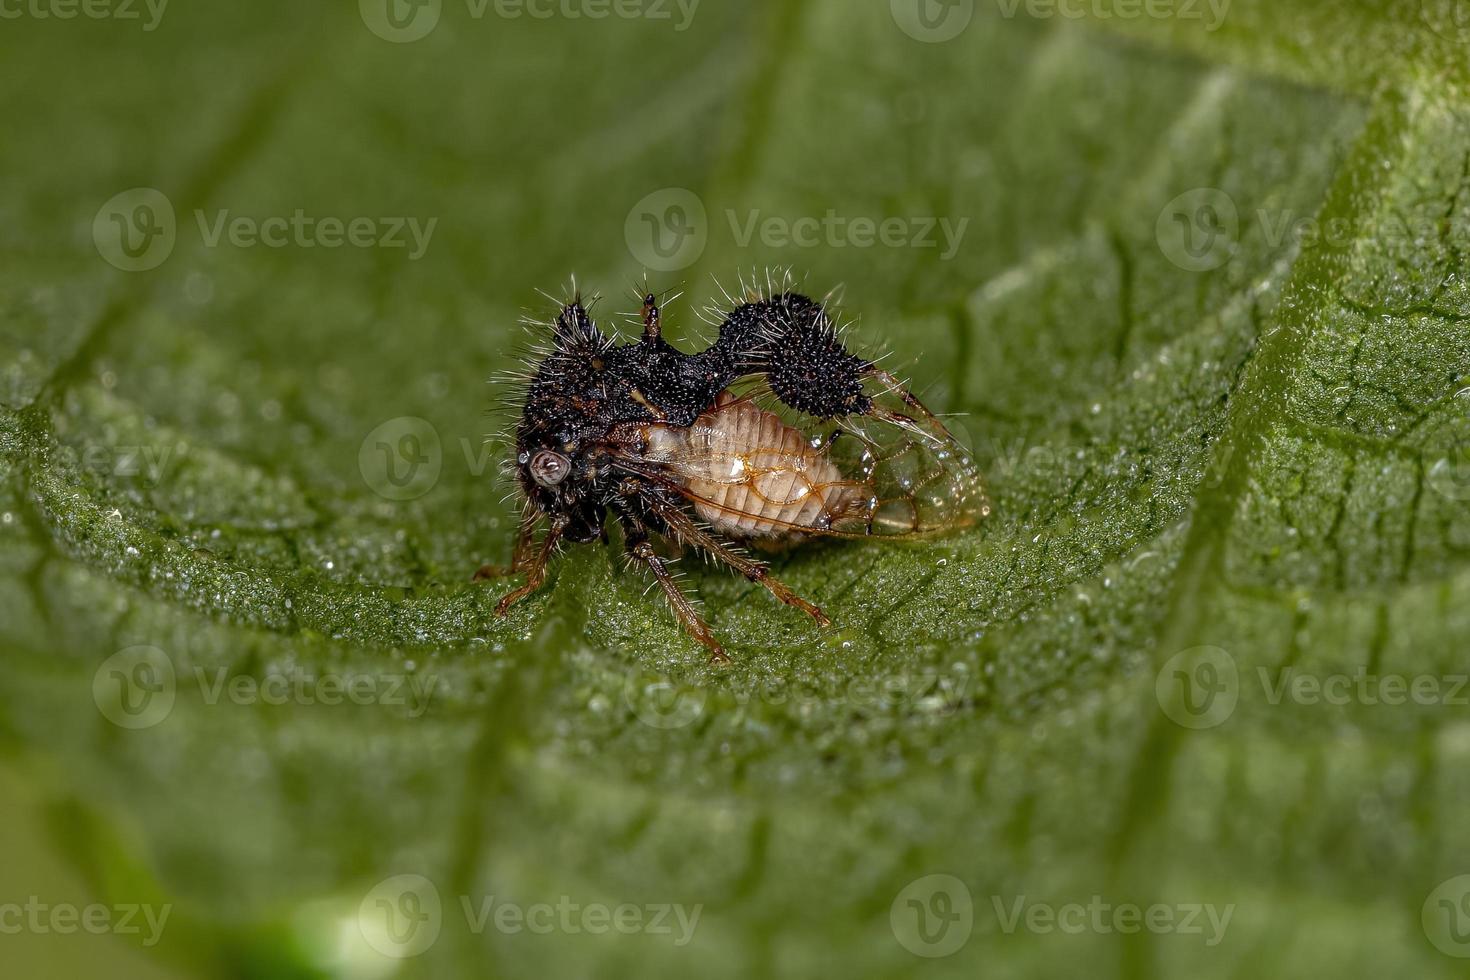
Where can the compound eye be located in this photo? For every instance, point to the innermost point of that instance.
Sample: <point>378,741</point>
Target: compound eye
<point>549,468</point>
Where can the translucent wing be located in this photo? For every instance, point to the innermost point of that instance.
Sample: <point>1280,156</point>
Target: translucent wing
<point>752,469</point>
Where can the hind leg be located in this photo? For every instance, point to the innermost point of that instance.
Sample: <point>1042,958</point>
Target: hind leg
<point>689,533</point>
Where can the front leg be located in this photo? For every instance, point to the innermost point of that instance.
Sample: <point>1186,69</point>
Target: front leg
<point>521,556</point>
<point>536,571</point>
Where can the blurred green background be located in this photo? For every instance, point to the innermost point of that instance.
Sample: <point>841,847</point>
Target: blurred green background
<point>1191,276</point>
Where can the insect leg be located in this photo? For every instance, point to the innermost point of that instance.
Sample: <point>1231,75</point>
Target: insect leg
<point>684,527</point>
<point>522,554</point>
<point>536,568</point>
<point>640,549</point>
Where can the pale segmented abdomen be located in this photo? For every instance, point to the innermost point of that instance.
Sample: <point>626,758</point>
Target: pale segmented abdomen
<point>751,475</point>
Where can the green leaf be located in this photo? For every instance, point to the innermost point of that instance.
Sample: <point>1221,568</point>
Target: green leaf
<point>1227,467</point>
